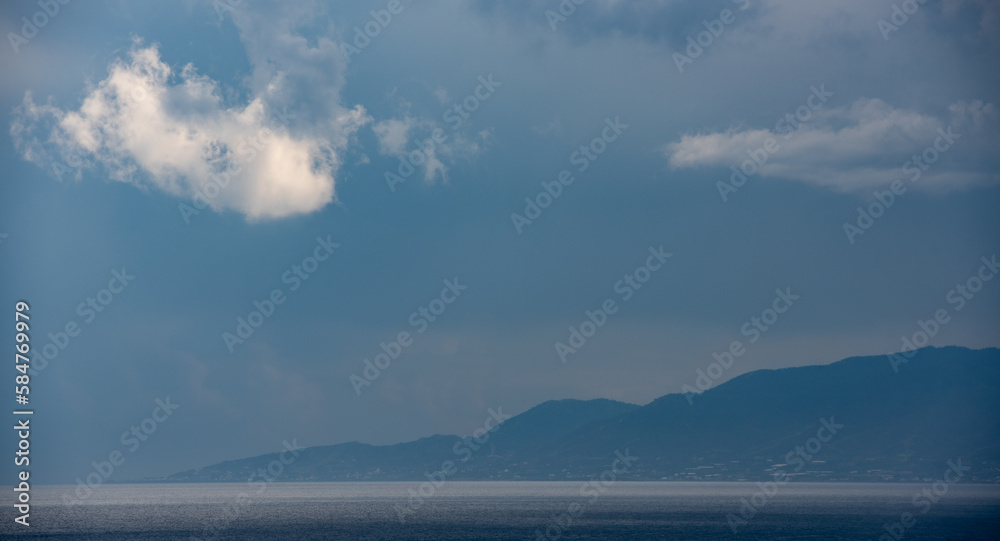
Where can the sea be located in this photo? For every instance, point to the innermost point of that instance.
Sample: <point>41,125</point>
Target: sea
<point>453,510</point>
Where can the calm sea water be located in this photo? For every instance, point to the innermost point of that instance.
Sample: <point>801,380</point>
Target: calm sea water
<point>524,510</point>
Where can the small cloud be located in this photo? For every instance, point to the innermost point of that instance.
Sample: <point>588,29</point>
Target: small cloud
<point>404,136</point>
<point>854,147</point>
<point>393,135</point>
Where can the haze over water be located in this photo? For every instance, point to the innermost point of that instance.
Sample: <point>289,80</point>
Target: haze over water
<point>509,510</point>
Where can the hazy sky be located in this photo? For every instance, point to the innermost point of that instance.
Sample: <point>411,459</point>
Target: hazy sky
<point>201,152</point>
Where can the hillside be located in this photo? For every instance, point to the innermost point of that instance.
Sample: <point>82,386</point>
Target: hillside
<point>880,425</point>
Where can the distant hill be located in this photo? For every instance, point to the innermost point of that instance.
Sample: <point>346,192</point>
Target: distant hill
<point>943,404</point>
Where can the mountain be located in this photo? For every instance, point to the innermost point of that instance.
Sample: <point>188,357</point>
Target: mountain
<point>541,426</point>
<point>858,419</point>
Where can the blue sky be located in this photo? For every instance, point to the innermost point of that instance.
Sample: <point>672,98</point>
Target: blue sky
<point>119,115</point>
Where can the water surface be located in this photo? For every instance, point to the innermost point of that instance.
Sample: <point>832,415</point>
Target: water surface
<point>508,510</point>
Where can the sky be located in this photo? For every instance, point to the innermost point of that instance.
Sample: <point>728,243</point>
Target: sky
<point>230,209</point>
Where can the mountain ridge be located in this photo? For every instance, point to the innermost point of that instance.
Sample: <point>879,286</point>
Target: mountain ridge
<point>896,426</point>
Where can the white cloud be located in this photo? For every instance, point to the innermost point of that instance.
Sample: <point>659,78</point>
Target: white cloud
<point>412,139</point>
<point>394,139</point>
<point>854,147</point>
<point>393,134</point>
<point>152,126</point>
